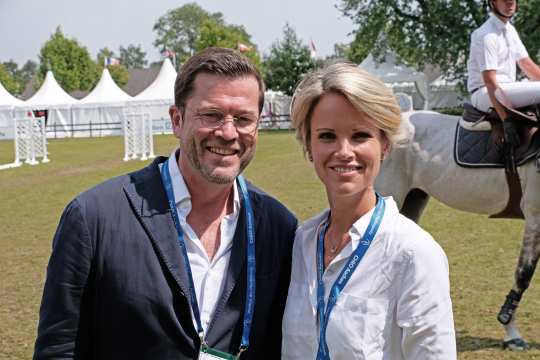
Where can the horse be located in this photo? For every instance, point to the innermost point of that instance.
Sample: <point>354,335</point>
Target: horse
<point>422,165</point>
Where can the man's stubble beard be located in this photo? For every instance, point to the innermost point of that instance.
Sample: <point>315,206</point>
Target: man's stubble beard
<point>207,174</point>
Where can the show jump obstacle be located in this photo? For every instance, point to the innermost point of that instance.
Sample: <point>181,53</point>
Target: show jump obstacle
<point>30,141</point>
<point>138,138</point>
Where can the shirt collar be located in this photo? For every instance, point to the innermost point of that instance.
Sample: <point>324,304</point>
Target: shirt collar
<point>498,23</point>
<point>181,192</point>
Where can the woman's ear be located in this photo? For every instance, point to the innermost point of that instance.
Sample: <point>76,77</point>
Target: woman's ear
<point>386,147</point>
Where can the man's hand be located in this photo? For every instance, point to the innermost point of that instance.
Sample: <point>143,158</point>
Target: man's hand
<point>511,136</point>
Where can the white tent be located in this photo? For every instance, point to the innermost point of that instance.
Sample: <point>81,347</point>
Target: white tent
<point>400,78</point>
<point>100,113</point>
<point>53,98</point>
<point>158,97</point>
<point>443,93</point>
<point>7,102</point>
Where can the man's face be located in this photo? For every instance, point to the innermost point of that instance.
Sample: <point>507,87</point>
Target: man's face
<point>505,7</point>
<point>217,154</point>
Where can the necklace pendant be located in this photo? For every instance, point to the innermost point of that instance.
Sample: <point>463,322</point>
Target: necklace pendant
<point>333,249</point>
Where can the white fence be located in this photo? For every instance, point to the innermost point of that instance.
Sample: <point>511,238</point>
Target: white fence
<point>138,137</point>
<point>30,141</point>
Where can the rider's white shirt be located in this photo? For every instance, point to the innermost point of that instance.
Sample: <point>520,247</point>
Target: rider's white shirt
<point>395,306</point>
<point>494,46</point>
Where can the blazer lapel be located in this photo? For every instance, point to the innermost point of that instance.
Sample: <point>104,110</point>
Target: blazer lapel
<point>149,202</point>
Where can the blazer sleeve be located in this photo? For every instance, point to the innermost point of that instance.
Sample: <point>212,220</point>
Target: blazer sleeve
<point>274,337</point>
<point>60,334</point>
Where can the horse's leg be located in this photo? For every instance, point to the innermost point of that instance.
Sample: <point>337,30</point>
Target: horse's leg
<point>414,204</point>
<point>528,258</point>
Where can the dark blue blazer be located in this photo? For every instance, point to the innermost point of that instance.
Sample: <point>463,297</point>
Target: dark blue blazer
<point>117,288</point>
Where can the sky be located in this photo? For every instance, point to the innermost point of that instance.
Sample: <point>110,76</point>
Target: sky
<point>25,25</point>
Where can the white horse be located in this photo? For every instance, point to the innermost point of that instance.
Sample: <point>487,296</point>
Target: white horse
<point>424,166</point>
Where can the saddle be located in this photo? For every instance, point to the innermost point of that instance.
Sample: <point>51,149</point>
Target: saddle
<point>479,138</point>
<point>479,144</point>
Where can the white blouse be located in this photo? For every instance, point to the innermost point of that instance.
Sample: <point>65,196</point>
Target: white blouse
<point>395,306</point>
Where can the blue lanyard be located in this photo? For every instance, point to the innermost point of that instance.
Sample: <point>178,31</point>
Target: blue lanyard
<point>344,276</point>
<point>250,229</point>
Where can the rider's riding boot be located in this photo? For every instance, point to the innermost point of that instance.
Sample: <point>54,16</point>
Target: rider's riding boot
<point>510,160</point>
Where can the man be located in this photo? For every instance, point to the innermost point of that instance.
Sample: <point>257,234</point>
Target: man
<point>159,264</point>
<point>495,50</point>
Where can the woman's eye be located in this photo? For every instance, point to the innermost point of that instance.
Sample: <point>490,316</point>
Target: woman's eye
<point>326,136</point>
<point>361,135</point>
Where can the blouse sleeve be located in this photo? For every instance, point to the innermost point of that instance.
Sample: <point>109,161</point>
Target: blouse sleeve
<point>424,308</point>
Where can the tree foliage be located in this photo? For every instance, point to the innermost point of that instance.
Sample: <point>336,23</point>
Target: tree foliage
<point>70,62</point>
<point>118,72</point>
<point>288,61</point>
<point>179,29</point>
<point>20,76</point>
<point>214,33</point>
<point>7,80</point>
<point>133,57</point>
<point>425,32</point>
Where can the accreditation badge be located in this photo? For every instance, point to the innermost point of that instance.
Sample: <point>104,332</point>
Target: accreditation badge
<point>207,353</point>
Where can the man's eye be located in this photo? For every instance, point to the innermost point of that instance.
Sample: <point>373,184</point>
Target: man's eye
<point>241,120</point>
<point>211,116</point>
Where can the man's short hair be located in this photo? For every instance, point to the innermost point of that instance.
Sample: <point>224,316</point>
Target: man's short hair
<point>215,61</point>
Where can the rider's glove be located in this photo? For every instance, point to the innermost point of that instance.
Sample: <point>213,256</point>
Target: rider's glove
<point>511,136</point>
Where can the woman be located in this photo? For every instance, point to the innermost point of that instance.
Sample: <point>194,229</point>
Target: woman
<point>367,283</point>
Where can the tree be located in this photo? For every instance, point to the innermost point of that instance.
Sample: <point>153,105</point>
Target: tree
<point>214,33</point>
<point>20,76</point>
<point>118,72</point>
<point>423,32</point>
<point>70,62</point>
<point>179,29</point>
<point>133,57</point>
<point>7,80</point>
<point>288,61</point>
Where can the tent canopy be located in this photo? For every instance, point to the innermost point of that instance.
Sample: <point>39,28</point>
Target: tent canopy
<point>6,99</point>
<point>162,88</point>
<point>50,94</point>
<point>106,91</point>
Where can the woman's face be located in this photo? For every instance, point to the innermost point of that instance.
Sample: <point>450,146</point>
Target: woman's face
<point>346,147</point>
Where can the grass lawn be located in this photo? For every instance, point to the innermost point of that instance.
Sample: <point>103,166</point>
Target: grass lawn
<point>482,253</point>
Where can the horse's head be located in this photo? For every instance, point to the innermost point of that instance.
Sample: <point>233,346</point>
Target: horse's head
<point>406,131</point>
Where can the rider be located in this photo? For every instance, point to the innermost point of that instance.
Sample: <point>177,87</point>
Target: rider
<point>495,49</point>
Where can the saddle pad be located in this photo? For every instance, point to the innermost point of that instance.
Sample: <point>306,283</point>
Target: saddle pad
<point>477,149</point>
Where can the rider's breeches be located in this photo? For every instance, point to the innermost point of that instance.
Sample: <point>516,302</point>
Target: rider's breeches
<point>519,93</point>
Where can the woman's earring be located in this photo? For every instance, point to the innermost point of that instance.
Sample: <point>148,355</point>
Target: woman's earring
<point>310,157</point>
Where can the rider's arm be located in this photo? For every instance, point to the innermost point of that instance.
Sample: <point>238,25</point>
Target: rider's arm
<point>529,67</point>
<point>492,86</point>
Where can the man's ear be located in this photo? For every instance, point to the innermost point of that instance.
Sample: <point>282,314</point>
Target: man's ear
<point>176,120</point>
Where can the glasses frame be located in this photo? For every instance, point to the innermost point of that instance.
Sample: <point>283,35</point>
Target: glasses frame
<point>204,117</point>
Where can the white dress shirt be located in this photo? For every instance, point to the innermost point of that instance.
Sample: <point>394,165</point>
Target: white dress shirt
<point>208,275</point>
<point>395,306</point>
<point>494,46</point>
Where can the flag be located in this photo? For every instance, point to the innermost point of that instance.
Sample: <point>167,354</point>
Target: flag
<point>111,61</point>
<point>244,47</point>
<point>312,49</point>
<point>168,53</point>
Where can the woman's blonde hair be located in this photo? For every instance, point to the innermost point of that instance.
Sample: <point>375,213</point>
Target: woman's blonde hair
<point>369,95</point>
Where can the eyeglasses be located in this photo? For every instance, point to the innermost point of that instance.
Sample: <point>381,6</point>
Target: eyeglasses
<point>244,124</point>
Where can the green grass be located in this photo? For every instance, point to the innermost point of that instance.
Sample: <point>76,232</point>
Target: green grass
<point>482,253</point>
